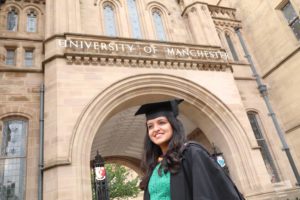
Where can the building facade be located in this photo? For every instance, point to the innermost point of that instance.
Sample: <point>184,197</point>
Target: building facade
<point>99,59</point>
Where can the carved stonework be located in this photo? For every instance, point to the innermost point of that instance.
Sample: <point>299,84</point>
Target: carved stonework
<point>223,16</point>
<point>28,1</point>
<point>225,23</point>
<point>144,63</point>
<point>222,12</point>
<point>106,51</point>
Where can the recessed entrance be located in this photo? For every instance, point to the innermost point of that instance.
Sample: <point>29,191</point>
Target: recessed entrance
<point>120,139</point>
<point>118,135</point>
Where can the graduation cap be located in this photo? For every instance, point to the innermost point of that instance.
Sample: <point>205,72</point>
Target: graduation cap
<point>2,2</point>
<point>153,110</point>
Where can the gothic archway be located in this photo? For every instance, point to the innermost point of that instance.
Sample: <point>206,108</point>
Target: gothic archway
<point>205,109</point>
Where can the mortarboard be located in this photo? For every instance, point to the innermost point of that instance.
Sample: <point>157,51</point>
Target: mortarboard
<point>157,109</point>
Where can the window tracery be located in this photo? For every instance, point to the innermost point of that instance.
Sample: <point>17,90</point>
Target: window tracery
<point>109,20</point>
<point>158,25</point>
<point>264,149</point>
<point>31,21</point>
<point>13,159</point>
<point>12,20</point>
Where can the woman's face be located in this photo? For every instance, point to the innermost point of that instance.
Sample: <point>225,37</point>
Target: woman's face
<point>160,132</point>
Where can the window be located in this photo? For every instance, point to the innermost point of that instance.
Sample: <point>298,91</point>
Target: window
<point>10,57</point>
<point>134,19</point>
<point>13,159</point>
<point>158,24</point>
<point>28,58</point>
<point>231,47</point>
<point>109,20</point>
<point>31,22</point>
<point>256,127</point>
<point>292,18</point>
<point>12,20</point>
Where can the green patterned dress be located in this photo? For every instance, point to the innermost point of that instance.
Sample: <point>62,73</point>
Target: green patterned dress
<point>159,186</point>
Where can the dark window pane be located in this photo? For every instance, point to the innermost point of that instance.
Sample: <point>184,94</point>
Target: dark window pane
<point>289,12</point>
<point>292,19</point>
<point>231,47</point>
<point>10,57</point>
<point>265,152</point>
<point>12,178</point>
<point>12,20</point>
<point>12,160</point>
<point>13,139</point>
<point>296,28</point>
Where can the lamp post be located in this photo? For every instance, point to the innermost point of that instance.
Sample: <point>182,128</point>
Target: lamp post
<point>100,184</point>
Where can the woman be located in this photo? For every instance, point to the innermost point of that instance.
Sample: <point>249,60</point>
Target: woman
<point>175,170</point>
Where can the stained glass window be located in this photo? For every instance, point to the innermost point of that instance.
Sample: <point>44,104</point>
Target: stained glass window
<point>264,149</point>
<point>12,160</point>
<point>159,26</point>
<point>31,22</point>
<point>134,19</point>
<point>12,20</point>
<point>109,20</point>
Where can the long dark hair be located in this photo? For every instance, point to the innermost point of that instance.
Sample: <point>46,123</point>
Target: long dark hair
<point>171,160</point>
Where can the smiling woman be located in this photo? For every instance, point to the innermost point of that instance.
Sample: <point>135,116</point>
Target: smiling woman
<point>174,169</point>
<point>160,132</point>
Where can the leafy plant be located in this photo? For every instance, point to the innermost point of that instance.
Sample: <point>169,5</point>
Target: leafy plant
<point>121,185</point>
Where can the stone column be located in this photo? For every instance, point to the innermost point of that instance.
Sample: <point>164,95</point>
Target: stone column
<point>201,25</point>
<point>2,55</point>
<point>62,16</point>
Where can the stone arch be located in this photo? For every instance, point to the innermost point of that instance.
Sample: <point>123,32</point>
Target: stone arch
<point>31,115</point>
<point>157,5</point>
<point>114,2</point>
<point>27,113</point>
<point>7,9</point>
<point>36,8</point>
<point>228,31</point>
<point>39,13</point>
<point>129,162</point>
<point>11,6</point>
<point>198,103</point>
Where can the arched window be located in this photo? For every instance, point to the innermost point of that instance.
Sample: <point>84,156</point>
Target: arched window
<point>13,159</point>
<point>231,47</point>
<point>134,19</point>
<point>31,22</point>
<point>158,24</point>
<point>12,20</point>
<point>265,152</point>
<point>109,20</point>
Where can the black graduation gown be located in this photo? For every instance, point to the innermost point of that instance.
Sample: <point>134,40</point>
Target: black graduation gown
<point>200,178</point>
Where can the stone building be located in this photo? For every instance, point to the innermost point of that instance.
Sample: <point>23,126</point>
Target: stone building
<point>100,59</point>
